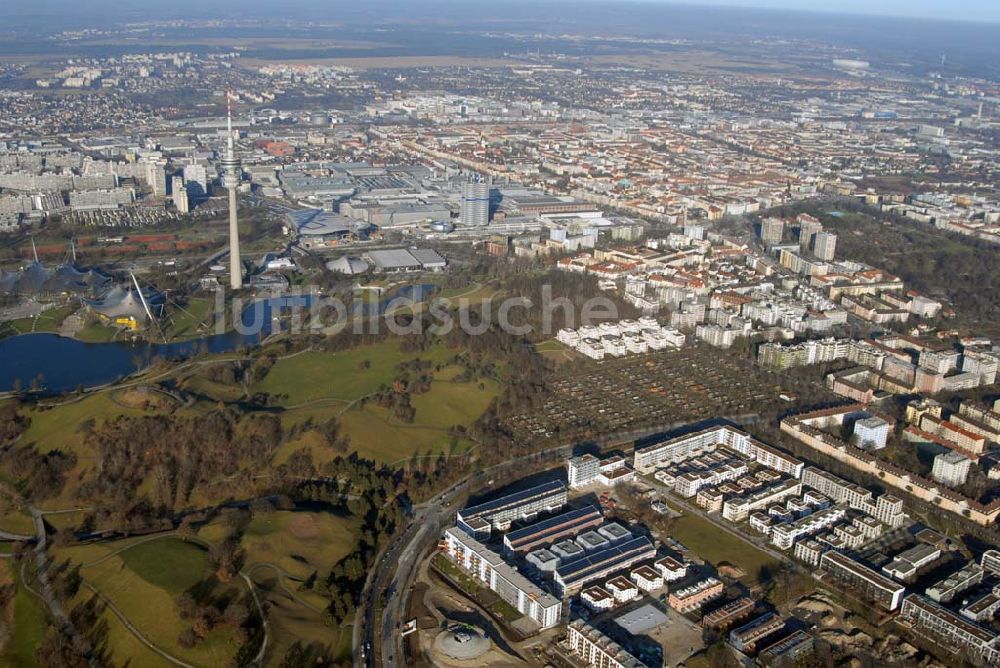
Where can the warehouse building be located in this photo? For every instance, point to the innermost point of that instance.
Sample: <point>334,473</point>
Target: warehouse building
<point>398,260</point>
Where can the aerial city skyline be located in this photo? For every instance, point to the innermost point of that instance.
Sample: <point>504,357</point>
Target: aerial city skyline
<point>598,335</point>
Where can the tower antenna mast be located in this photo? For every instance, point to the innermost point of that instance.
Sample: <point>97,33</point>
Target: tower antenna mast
<point>231,176</point>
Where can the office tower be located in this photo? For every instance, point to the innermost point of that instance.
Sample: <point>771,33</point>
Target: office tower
<point>808,229</point>
<point>196,181</point>
<point>771,230</point>
<point>180,195</point>
<point>824,246</point>
<point>231,173</point>
<point>475,207</point>
<point>696,232</point>
<point>156,175</point>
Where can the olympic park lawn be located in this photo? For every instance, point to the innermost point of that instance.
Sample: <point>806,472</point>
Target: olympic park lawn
<point>283,548</point>
<point>342,375</point>
<point>324,385</point>
<point>312,386</point>
<point>143,576</point>
<point>26,619</point>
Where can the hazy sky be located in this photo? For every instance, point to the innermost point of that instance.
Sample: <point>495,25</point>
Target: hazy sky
<point>959,10</point>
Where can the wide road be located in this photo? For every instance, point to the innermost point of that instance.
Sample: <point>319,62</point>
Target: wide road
<point>390,578</point>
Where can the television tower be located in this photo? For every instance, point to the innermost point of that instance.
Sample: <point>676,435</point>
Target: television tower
<point>231,176</point>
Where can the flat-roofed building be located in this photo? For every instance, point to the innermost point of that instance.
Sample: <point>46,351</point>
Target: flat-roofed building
<point>429,259</point>
<point>886,508</point>
<point>641,620</point>
<point>572,575</point>
<point>905,566</point>
<point>595,649</point>
<point>597,598</point>
<point>747,637</point>
<point>947,589</point>
<point>696,595</point>
<point>983,608</point>
<point>730,613</point>
<point>614,532</point>
<point>884,592</point>
<point>991,560</point>
<point>677,450</point>
<point>951,468</point>
<point>489,568</point>
<point>623,589</point>
<point>501,512</point>
<point>671,568</point>
<point>771,230</point>
<point>544,560</point>
<point>949,630</point>
<point>582,470</point>
<point>809,551</point>
<point>787,651</point>
<point>568,550</point>
<point>552,530</point>
<point>646,577</point>
<point>739,508</point>
<point>393,260</point>
<point>784,535</point>
<point>591,541</point>
<point>871,433</point>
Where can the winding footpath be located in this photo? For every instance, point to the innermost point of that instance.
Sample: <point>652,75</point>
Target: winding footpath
<point>133,630</point>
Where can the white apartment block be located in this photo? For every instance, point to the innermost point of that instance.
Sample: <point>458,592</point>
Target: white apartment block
<point>783,536</point>
<point>676,450</point>
<point>672,570</point>
<point>951,468</point>
<point>592,348</point>
<point>623,589</point>
<point>886,509</point>
<point>688,484</point>
<point>597,598</point>
<point>647,578</point>
<point>739,508</point>
<point>593,648</point>
<point>582,470</point>
<point>991,561</point>
<point>489,568</point>
<point>951,630</point>
<point>871,433</point>
<point>570,337</point>
<point>501,512</point>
